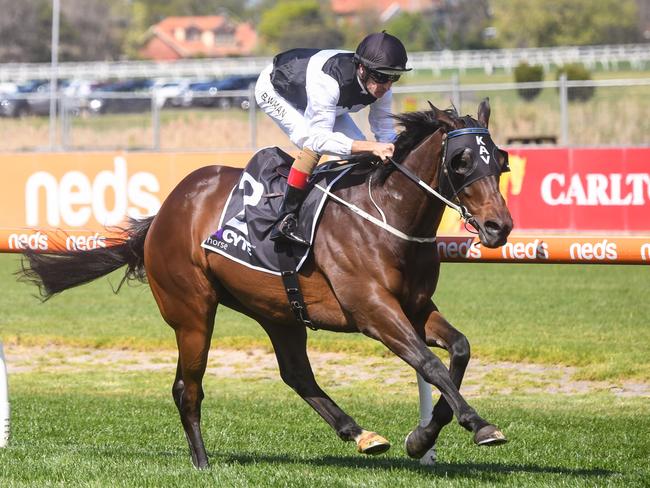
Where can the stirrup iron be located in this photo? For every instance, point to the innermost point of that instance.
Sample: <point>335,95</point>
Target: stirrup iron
<point>287,229</point>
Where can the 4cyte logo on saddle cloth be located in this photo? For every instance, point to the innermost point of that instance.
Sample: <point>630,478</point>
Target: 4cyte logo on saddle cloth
<point>235,230</point>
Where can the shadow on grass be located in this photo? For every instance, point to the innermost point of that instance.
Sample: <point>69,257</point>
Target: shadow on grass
<point>451,470</point>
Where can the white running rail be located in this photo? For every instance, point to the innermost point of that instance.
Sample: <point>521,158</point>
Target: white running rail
<point>4,402</point>
<point>606,57</point>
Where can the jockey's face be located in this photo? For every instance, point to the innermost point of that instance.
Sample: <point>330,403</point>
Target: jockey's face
<point>377,84</point>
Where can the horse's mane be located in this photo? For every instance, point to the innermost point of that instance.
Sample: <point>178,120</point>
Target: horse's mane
<point>415,127</point>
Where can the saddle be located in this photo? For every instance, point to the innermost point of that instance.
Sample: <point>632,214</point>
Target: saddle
<point>253,206</point>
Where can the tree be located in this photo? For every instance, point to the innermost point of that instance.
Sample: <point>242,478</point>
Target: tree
<point>459,24</point>
<point>298,23</point>
<point>92,30</point>
<point>454,24</point>
<point>89,30</point>
<point>25,31</point>
<point>525,73</point>
<point>413,30</point>
<point>565,22</point>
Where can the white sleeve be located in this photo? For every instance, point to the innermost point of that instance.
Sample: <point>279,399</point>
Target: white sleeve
<point>322,96</point>
<point>381,123</point>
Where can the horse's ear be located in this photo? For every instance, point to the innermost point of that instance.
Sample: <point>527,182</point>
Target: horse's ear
<point>441,115</point>
<point>484,112</point>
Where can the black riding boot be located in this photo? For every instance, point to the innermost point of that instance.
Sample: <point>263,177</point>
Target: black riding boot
<point>287,223</point>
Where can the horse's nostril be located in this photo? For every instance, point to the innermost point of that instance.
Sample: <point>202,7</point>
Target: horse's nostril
<point>492,227</point>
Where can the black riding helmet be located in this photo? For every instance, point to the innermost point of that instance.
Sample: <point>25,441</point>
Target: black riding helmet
<point>382,53</point>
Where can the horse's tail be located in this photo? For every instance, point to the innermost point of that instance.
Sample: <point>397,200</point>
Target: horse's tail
<point>54,273</point>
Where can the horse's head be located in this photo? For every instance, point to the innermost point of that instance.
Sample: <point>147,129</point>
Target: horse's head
<point>470,167</point>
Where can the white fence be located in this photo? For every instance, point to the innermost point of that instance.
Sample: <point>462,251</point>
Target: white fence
<point>606,57</point>
<point>635,55</point>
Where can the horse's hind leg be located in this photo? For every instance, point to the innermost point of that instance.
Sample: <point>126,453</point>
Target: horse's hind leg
<point>440,333</point>
<point>290,345</point>
<point>189,306</point>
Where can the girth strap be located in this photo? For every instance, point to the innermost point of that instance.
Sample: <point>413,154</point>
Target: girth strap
<point>291,284</point>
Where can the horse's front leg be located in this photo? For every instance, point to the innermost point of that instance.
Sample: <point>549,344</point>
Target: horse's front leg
<point>439,333</point>
<point>290,346</point>
<point>385,321</point>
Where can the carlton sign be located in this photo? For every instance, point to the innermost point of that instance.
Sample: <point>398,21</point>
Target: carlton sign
<point>593,189</point>
<point>582,190</point>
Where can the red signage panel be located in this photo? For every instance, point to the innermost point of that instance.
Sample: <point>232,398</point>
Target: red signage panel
<point>580,189</point>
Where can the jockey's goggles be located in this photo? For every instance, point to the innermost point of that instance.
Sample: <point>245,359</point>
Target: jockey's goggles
<point>381,78</point>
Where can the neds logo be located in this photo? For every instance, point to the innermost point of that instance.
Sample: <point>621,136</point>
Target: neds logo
<point>38,241</point>
<point>600,251</point>
<point>75,199</point>
<point>645,252</point>
<point>466,249</point>
<point>536,249</point>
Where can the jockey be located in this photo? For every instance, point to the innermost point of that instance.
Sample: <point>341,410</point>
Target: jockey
<point>309,94</point>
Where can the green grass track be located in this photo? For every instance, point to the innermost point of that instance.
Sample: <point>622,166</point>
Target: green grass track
<point>104,428</point>
<point>596,318</point>
<point>96,425</point>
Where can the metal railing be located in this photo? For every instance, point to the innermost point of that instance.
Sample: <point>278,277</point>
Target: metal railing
<point>636,56</point>
<point>615,114</point>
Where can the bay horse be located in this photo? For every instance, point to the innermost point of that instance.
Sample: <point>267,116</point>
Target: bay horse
<point>358,278</point>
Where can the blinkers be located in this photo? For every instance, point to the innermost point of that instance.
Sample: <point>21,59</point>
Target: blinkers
<point>469,154</point>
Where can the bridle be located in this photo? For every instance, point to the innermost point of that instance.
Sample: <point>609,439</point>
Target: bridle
<point>464,138</point>
<point>461,209</point>
<point>449,184</point>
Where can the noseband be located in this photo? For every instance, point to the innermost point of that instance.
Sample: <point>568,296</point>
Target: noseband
<point>485,162</point>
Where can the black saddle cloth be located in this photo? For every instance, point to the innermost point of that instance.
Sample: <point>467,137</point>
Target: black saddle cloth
<point>253,207</point>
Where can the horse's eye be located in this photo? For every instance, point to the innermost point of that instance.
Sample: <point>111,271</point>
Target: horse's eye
<point>503,160</point>
<point>463,163</point>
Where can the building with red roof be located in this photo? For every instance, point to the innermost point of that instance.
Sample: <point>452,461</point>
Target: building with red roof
<point>211,36</point>
<point>385,8</point>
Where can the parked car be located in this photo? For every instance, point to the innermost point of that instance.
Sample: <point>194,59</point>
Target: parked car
<point>122,97</point>
<point>13,105</point>
<point>17,104</point>
<point>77,92</point>
<point>169,93</point>
<point>39,100</point>
<point>8,87</point>
<point>215,93</point>
<point>233,83</point>
<point>200,94</point>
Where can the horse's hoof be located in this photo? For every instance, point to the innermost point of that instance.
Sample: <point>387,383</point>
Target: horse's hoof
<point>201,466</point>
<point>200,463</point>
<point>489,436</point>
<point>371,443</point>
<point>428,458</point>
<point>413,447</point>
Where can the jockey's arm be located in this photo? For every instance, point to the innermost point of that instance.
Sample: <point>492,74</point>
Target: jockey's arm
<point>382,126</point>
<point>381,120</point>
<point>382,149</point>
<point>321,114</point>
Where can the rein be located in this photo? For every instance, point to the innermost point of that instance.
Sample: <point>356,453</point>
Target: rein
<point>461,209</point>
<point>469,133</point>
<point>384,225</point>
